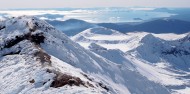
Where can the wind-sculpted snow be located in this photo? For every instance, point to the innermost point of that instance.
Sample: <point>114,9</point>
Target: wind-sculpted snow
<point>168,61</point>
<point>175,52</point>
<point>108,38</point>
<point>162,58</point>
<point>115,56</point>
<point>25,64</point>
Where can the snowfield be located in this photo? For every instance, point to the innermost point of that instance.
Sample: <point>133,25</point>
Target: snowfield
<point>111,39</point>
<point>21,70</point>
<point>37,58</point>
<point>162,58</point>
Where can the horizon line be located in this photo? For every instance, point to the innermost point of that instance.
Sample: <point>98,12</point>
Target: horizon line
<point>89,7</point>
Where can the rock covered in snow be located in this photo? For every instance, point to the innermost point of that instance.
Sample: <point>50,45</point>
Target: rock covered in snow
<point>38,59</point>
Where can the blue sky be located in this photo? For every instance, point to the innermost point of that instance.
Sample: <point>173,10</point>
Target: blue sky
<point>91,3</point>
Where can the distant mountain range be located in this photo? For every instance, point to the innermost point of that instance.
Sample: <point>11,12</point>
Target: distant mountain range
<point>154,26</point>
<point>72,27</point>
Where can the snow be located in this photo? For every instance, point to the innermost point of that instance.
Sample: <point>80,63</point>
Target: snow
<point>183,91</point>
<point>144,53</point>
<point>170,36</point>
<point>66,57</point>
<point>156,74</point>
<point>122,47</point>
<point>21,69</point>
<point>113,40</point>
<point>2,18</point>
<point>169,69</point>
<point>116,40</point>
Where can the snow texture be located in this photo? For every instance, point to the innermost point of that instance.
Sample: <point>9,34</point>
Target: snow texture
<point>31,47</point>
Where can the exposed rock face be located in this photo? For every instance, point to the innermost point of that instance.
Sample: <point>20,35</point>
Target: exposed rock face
<point>64,79</point>
<point>2,27</point>
<point>176,52</point>
<point>37,39</point>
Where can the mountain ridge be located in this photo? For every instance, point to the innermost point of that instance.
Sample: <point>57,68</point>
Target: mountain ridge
<point>162,58</point>
<point>48,58</point>
<point>155,26</point>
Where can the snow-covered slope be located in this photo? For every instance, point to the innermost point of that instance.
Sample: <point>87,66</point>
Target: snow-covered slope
<point>112,39</point>
<point>27,68</point>
<point>159,71</point>
<point>162,58</point>
<point>37,58</point>
<point>22,74</point>
<point>114,55</point>
<point>108,38</point>
<point>168,61</point>
<point>175,52</point>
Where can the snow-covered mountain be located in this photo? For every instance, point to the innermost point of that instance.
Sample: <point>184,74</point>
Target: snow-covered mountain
<point>176,52</point>
<point>162,58</point>
<point>37,58</point>
<point>108,38</point>
<point>168,57</point>
<point>71,27</point>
